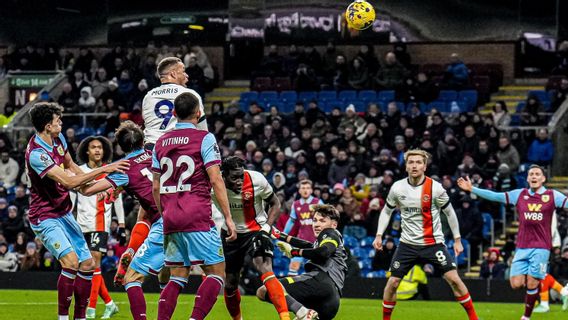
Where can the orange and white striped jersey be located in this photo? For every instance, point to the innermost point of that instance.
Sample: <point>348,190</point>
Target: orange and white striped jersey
<point>420,208</point>
<point>93,214</point>
<point>247,207</point>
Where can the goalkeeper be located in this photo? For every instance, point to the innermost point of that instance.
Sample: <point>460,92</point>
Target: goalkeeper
<point>315,294</point>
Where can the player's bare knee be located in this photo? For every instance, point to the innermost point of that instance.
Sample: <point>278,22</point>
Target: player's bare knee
<point>70,261</point>
<point>261,293</point>
<point>87,265</point>
<point>132,276</point>
<point>393,283</point>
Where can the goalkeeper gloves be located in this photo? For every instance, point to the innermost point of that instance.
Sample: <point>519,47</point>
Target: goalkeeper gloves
<point>288,250</point>
<point>271,231</point>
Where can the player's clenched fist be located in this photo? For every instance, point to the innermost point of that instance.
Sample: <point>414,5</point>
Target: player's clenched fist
<point>378,243</point>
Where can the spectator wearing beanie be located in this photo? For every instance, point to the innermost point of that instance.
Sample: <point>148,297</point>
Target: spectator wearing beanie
<point>360,189</point>
<point>492,267</point>
<point>31,260</point>
<point>8,260</point>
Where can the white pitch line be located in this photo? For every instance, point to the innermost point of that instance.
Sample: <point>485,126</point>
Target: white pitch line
<point>55,303</point>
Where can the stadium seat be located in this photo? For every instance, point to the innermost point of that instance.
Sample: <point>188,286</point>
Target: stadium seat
<point>249,96</point>
<point>541,95</point>
<point>366,265</point>
<point>360,106</point>
<point>470,97</point>
<point>487,225</point>
<point>327,95</point>
<point>347,95</point>
<point>367,95</point>
<point>386,96</point>
<point>289,96</point>
<point>367,242</point>
<point>268,95</point>
<point>307,96</point>
<point>334,103</point>
<point>520,106</point>
<point>438,105</point>
<point>355,231</point>
<point>375,274</point>
<point>282,83</point>
<point>262,84</point>
<point>350,242</point>
<point>288,107</point>
<point>447,95</point>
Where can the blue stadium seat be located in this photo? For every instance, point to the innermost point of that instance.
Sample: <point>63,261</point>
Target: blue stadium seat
<point>421,105</point>
<point>487,222</point>
<point>355,231</point>
<point>366,265</point>
<point>307,96</point>
<point>540,95</point>
<point>438,105</point>
<point>470,96</point>
<point>84,132</point>
<point>374,274</point>
<point>462,105</point>
<point>268,95</point>
<point>360,106</point>
<point>367,242</point>
<point>462,259</point>
<point>249,96</point>
<point>347,95</point>
<point>520,106</point>
<point>289,96</point>
<point>368,95</point>
<point>334,103</point>
<point>350,242</point>
<point>327,95</point>
<point>386,96</point>
<point>447,95</point>
<point>288,107</point>
<point>278,103</point>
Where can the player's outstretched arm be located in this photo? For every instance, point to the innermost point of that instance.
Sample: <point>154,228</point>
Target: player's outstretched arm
<point>501,197</point>
<point>58,174</point>
<point>214,173</point>
<point>97,187</point>
<point>68,163</point>
<point>325,250</point>
<point>296,242</point>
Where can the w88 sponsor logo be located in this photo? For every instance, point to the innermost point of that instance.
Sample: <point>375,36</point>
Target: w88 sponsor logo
<point>535,216</point>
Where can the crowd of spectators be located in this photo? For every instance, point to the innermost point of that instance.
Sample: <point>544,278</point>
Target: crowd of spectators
<point>352,157</point>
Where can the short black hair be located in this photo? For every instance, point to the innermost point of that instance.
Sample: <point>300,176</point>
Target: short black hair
<point>232,163</point>
<point>326,210</point>
<point>129,136</point>
<point>165,64</point>
<point>536,166</point>
<point>42,113</point>
<point>82,155</point>
<point>186,105</point>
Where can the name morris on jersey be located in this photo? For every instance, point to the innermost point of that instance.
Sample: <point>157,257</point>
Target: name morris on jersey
<point>165,91</point>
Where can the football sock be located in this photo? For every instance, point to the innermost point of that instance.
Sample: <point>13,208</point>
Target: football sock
<point>137,300</point>
<point>233,303</point>
<point>295,306</point>
<point>530,300</point>
<point>82,286</point>
<point>388,308</point>
<point>139,234</point>
<point>276,294</point>
<point>467,304</point>
<point>65,291</point>
<point>95,288</point>
<point>168,297</point>
<point>206,296</point>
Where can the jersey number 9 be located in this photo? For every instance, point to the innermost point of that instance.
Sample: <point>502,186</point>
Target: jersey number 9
<point>164,110</point>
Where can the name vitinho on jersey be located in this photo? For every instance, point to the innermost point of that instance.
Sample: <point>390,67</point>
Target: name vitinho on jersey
<point>164,91</point>
<point>175,140</point>
<point>142,157</point>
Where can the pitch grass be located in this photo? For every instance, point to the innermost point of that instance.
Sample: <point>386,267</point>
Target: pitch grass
<point>40,305</point>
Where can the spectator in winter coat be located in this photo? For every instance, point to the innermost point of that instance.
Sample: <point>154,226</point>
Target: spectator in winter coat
<point>492,267</point>
<point>360,189</point>
<point>9,169</point>
<point>339,169</point>
<point>457,74</point>
<point>541,151</point>
<point>31,260</point>
<point>8,260</point>
<point>508,154</point>
<point>87,102</point>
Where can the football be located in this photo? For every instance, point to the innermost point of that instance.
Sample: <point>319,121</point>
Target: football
<point>360,15</point>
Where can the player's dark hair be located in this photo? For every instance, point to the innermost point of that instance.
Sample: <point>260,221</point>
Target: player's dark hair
<point>326,210</point>
<point>307,181</point>
<point>536,166</point>
<point>186,105</point>
<point>42,113</point>
<point>232,163</point>
<point>129,136</point>
<point>83,148</point>
<point>165,64</point>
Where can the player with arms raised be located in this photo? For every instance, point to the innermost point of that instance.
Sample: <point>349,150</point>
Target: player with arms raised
<point>137,181</point>
<point>186,164</point>
<point>421,202</point>
<point>249,193</point>
<point>50,214</point>
<point>536,206</point>
<point>158,104</point>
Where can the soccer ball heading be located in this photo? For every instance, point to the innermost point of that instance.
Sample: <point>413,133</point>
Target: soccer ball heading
<point>360,15</point>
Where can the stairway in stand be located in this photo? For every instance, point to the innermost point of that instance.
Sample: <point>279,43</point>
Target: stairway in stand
<point>230,90</point>
<point>514,93</point>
